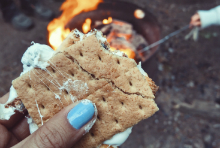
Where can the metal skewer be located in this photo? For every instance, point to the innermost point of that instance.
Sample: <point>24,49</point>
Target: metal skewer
<point>164,39</point>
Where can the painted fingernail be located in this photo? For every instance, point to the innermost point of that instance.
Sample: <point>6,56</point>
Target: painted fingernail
<point>81,114</point>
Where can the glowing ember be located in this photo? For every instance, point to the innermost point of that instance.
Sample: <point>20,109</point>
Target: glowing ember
<point>56,28</point>
<point>107,21</point>
<point>129,52</point>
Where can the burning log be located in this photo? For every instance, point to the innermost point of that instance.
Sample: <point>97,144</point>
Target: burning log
<point>122,29</point>
<point>122,36</point>
<point>99,14</point>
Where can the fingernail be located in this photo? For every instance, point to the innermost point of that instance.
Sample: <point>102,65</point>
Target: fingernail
<point>81,114</point>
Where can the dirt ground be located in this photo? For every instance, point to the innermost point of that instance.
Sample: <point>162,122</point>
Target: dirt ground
<point>188,75</point>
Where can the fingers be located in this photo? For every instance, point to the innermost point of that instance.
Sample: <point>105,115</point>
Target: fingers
<point>195,17</point>
<point>4,99</point>
<point>14,118</point>
<point>65,128</point>
<point>7,139</point>
<point>21,130</point>
<point>195,20</point>
<point>197,24</point>
<point>17,117</point>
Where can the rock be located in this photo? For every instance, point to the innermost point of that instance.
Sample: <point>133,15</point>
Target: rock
<point>198,143</point>
<point>177,129</point>
<point>176,116</point>
<point>160,67</point>
<point>208,138</point>
<point>171,50</point>
<point>188,146</point>
<point>216,125</point>
<point>190,84</point>
<point>169,122</point>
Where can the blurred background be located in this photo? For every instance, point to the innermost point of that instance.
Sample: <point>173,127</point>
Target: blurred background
<point>187,72</point>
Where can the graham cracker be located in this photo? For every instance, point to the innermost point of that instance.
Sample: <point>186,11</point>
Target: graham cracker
<point>71,39</point>
<point>122,71</point>
<point>121,93</point>
<point>152,85</point>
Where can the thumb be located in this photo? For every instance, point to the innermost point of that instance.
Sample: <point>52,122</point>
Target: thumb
<point>65,128</point>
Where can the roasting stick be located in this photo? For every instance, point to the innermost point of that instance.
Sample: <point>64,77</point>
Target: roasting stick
<point>164,39</point>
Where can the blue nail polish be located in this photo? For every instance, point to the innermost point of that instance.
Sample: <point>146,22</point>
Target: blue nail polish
<point>81,114</point>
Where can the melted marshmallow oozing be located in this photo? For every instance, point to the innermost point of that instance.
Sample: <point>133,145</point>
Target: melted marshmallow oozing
<point>37,56</point>
<point>32,126</point>
<point>12,95</point>
<point>120,138</point>
<point>141,70</point>
<point>118,53</point>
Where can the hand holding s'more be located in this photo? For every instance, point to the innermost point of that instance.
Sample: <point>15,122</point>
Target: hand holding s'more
<point>82,95</point>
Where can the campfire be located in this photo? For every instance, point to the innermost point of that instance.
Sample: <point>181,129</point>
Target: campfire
<point>121,34</point>
<point>57,28</point>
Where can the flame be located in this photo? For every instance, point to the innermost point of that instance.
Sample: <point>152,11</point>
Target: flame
<point>129,52</point>
<point>57,31</point>
<point>107,21</point>
<point>86,27</point>
<point>55,40</point>
<point>56,28</point>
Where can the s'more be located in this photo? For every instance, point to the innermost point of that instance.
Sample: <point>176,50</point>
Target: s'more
<point>83,67</point>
